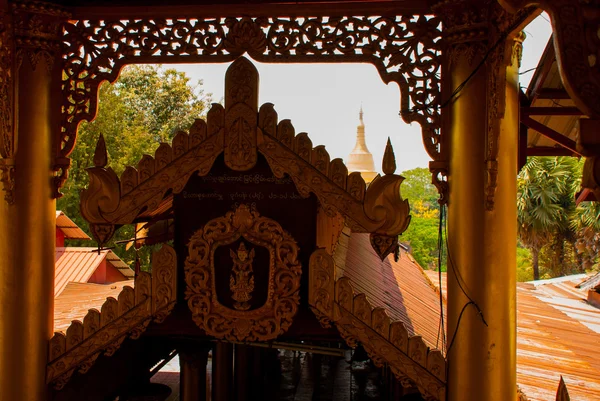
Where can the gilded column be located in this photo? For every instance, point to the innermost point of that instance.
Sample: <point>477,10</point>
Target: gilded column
<point>481,122</point>
<point>27,210</point>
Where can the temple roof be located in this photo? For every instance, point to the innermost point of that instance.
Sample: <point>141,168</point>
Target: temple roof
<point>401,287</point>
<point>68,227</point>
<point>78,264</point>
<point>77,299</point>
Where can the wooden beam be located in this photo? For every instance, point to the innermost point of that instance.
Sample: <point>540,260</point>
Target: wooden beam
<point>551,93</point>
<point>549,151</point>
<point>551,111</point>
<point>586,195</point>
<point>550,134</point>
<point>233,8</point>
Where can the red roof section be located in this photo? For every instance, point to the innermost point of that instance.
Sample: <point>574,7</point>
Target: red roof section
<point>400,287</point>
<point>68,227</point>
<point>76,299</point>
<point>78,264</point>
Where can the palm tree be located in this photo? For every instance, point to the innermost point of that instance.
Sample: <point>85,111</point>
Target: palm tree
<point>542,185</point>
<point>587,226</point>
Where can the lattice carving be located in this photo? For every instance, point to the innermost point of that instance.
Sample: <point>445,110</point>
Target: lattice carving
<point>153,298</point>
<point>283,298</point>
<point>386,342</point>
<point>380,209</point>
<point>404,49</point>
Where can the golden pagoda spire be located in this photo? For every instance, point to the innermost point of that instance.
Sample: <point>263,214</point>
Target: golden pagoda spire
<point>360,159</point>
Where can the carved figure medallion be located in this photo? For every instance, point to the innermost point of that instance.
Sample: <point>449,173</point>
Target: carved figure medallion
<point>241,323</point>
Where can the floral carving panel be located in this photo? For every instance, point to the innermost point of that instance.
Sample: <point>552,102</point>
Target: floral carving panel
<point>404,49</point>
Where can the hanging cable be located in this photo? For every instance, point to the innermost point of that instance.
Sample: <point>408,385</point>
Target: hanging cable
<point>441,329</point>
<point>459,280</point>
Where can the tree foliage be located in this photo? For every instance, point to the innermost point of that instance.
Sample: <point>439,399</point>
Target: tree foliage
<point>563,238</point>
<point>144,107</point>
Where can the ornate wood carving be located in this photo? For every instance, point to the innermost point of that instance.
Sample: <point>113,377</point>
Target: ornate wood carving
<point>335,302</point>
<point>275,316</point>
<point>380,209</point>
<point>241,281</point>
<point>153,298</point>
<point>241,106</point>
<point>7,136</point>
<point>404,49</point>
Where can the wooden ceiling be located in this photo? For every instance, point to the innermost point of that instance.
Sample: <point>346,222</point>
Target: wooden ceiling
<point>206,8</point>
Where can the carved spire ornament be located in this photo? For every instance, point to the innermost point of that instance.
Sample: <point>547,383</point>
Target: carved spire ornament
<point>388,164</point>
<point>100,155</point>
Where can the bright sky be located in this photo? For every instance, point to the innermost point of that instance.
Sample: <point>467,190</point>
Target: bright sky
<point>324,100</point>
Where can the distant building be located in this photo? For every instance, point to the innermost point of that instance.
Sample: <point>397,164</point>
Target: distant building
<point>360,159</point>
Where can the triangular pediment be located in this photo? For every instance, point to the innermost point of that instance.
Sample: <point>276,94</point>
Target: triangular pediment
<point>240,131</point>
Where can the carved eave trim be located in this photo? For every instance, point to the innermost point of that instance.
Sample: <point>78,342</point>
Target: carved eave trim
<point>334,302</point>
<point>110,201</point>
<point>152,299</point>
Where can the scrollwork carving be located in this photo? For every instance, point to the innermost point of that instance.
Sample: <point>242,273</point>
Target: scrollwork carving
<point>404,49</point>
<point>283,298</point>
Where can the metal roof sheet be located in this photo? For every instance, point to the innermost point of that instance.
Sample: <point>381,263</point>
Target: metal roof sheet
<point>77,264</point>
<point>68,227</point>
<point>76,299</point>
<point>400,287</point>
<point>557,335</point>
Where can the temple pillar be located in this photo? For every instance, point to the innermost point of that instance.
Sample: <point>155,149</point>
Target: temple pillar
<point>241,375</point>
<point>481,123</point>
<point>192,362</point>
<point>222,365</point>
<point>27,209</point>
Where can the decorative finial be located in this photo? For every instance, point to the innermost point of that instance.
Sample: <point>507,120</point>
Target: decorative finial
<point>360,114</point>
<point>389,159</point>
<point>100,155</point>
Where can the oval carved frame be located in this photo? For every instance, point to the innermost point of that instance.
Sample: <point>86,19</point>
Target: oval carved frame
<point>283,298</point>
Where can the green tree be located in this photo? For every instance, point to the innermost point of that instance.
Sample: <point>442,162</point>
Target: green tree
<point>422,236</point>
<point>144,107</point>
<point>417,186</point>
<point>544,183</point>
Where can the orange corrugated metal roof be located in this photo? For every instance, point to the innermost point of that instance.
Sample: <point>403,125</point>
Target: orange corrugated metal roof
<point>558,334</point>
<point>76,299</point>
<point>77,264</point>
<point>400,287</point>
<point>68,227</point>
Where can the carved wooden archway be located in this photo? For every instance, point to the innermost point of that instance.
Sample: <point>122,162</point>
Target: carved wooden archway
<point>239,131</point>
<point>404,49</point>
